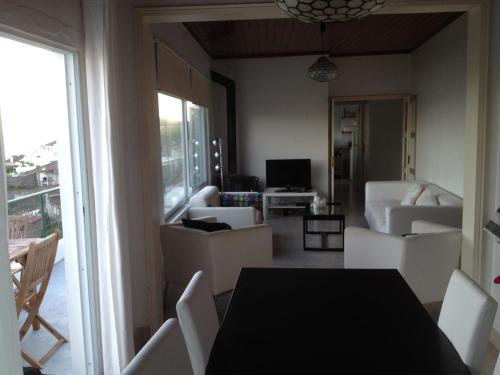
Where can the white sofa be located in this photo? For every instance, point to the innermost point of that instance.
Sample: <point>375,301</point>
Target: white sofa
<point>425,260</point>
<point>384,212</point>
<point>220,255</point>
<point>206,202</point>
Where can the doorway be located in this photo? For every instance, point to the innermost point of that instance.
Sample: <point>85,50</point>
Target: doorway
<point>47,192</point>
<point>368,143</point>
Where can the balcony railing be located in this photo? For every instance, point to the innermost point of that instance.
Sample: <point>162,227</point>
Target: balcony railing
<point>43,209</point>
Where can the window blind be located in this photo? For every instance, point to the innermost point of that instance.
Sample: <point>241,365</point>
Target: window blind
<point>200,89</point>
<point>178,78</point>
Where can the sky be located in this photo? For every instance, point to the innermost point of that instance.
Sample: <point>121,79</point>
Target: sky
<point>170,108</point>
<point>33,101</point>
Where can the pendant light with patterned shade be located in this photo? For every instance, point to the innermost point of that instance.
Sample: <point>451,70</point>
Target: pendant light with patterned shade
<point>323,70</point>
<point>329,10</point>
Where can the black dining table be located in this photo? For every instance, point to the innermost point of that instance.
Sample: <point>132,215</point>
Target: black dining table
<point>329,321</point>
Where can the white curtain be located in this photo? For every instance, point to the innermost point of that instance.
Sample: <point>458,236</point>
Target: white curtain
<point>10,355</point>
<point>109,196</point>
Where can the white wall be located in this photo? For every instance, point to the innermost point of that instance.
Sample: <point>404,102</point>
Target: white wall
<point>383,134</point>
<point>372,75</point>
<point>281,114</point>
<point>439,83</point>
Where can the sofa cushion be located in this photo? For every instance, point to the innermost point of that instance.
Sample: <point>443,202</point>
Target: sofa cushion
<point>427,198</point>
<point>412,195</point>
<point>375,213</point>
<point>204,225</point>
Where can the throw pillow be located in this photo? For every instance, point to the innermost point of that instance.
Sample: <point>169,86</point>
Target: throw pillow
<point>206,226</point>
<point>241,199</point>
<point>412,195</point>
<point>427,198</point>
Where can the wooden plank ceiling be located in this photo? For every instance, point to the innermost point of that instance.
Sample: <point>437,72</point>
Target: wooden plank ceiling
<point>376,34</point>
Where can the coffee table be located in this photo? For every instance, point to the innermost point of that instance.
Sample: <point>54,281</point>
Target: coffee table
<point>326,222</point>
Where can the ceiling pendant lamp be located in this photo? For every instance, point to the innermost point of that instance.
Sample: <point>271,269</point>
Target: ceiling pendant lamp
<point>323,70</point>
<point>329,10</point>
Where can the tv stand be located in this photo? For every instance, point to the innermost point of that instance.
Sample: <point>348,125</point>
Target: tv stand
<point>281,193</point>
<point>290,190</point>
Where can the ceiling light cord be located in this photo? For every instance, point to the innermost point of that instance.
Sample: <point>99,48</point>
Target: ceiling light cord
<point>322,28</point>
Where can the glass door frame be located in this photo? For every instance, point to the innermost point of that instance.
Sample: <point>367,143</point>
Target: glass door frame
<point>83,316</point>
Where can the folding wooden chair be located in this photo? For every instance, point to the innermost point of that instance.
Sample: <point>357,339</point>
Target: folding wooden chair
<point>16,268</point>
<point>33,285</point>
<point>18,226</point>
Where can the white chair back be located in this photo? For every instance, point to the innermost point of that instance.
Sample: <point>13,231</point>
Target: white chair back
<point>165,353</point>
<point>467,318</point>
<point>198,319</point>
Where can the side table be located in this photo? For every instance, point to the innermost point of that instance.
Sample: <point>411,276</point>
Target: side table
<point>327,217</point>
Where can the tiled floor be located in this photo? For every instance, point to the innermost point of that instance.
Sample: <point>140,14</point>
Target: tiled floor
<point>54,310</point>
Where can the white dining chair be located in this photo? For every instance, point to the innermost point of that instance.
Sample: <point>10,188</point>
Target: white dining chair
<point>164,353</point>
<point>467,318</point>
<point>198,319</point>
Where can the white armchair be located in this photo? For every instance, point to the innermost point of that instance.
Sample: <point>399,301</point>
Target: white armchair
<point>206,202</point>
<point>426,260</point>
<point>220,255</point>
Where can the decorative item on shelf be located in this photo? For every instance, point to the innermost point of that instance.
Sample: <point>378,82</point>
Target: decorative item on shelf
<point>218,167</point>
<point>329,11</point>
<point>318,204</point>
<point>323,70</point>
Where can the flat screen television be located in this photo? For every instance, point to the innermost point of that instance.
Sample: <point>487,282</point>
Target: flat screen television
<point>289,174</point>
